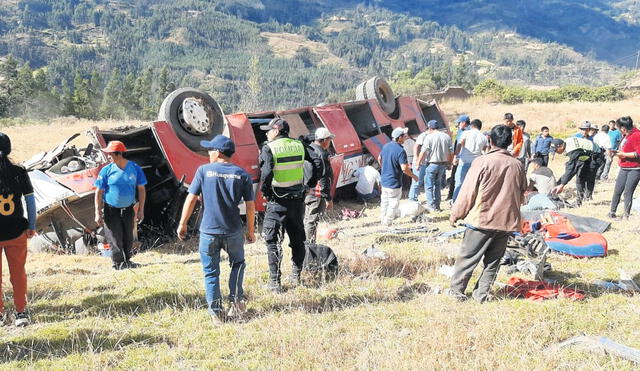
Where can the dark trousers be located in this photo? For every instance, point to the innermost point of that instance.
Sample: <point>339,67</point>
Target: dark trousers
<point>545,158</point>
<point>585,182</point>
<point>477,245</point>
<point>280,216</point>
<point>314,208</point>
<point>118,229</point>
<point>603,170</point>
<point>626,183</point>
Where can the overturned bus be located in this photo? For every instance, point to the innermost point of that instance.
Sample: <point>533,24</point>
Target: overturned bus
<point>169,153</point>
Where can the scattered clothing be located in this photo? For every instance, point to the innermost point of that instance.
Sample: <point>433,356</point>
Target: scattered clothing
<point>540,290</point>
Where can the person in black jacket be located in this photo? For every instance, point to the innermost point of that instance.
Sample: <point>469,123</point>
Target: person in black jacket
<point>585,157</point>
<point>283,185</point>
<point>319,198</point>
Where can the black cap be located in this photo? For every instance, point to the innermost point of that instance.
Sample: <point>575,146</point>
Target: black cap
<point>5,144</point>
<point>557,142</point>
<point>276,123</point>
<point>220,143</point>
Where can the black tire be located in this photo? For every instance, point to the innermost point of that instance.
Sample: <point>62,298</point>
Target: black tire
<point>171,112</point>
<point>380,90</point>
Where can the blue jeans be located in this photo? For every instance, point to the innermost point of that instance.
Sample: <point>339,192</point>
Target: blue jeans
<point>370,196</point>
<point>461,173</point>
<point>210,246</point>
<point>433,183</point>
<point>414,191</point>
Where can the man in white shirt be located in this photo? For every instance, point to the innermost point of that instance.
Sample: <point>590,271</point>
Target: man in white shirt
<point>368,185</point>
<point>472,143</point>
<point>414,191</point>
<point>437,153</point>
<point>602,138</point>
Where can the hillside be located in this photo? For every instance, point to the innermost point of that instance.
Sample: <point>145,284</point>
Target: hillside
<point>222,46</point>
<point>378,314</point>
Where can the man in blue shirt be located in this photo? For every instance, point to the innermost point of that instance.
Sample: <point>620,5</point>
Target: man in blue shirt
<point>394,162</point>
<point>585,129</point>
<point>223,187</point>
<point>542,146</point>
<point>115,198</point>
<point>615,135</point>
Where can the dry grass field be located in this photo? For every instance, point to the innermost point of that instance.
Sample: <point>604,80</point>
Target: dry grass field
<point>377,314</point>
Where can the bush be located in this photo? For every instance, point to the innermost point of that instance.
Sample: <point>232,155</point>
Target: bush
<point>570,93</point>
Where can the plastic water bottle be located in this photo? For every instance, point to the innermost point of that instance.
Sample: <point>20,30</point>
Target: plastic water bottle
<point>105,249</point>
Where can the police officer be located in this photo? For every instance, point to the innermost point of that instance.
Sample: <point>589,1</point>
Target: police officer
<point>115,197</point>
<point>282,177</point>
<point>319,198</point>
<point>585,157</point>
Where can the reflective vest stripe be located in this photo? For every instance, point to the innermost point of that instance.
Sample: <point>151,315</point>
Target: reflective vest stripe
<point>286,167</point>
<point>288,159</point>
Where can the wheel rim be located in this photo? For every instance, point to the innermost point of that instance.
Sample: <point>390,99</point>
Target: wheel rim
<point>194,117</point>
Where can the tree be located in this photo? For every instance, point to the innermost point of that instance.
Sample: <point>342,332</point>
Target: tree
<point>110,97</point>
<point>80,97</point>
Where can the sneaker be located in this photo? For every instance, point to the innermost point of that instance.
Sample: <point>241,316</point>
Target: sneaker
<point>456,295</point>
<point>274,286</point>
<point>612,215</point>
<point>218,318</point>
<point>294,279</point>
<point>132,265</point>
<point>237,308</point>
<point>120,266</point>
<point>22,319</point>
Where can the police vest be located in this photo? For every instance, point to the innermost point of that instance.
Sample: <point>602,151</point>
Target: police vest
<point>586,145</point>
<point>288,162</point>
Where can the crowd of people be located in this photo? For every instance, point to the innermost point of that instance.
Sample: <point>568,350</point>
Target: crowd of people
<point>488,189</point>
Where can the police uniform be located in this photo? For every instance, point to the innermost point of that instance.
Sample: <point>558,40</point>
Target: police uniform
<point>282,177</point>
<point>585,157</point>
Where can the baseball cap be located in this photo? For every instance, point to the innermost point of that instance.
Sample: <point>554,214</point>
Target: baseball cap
<point>557,142</point>
<point>594,127</point>
<point>398,132</point>
<point>462,118</point>
<point>323,133</point>
<point>585,125</point>
<point>433,124</point>
<point>276,123</point>
<point>115,146</point>
<point>221,144</point>
<point>5,144</point>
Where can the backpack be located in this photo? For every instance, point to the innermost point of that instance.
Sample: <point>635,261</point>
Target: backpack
<point>320,259</point>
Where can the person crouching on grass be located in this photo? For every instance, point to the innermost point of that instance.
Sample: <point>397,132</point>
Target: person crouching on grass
<point>223,186</point>
<point>492,193</point>
<point>15,229</point>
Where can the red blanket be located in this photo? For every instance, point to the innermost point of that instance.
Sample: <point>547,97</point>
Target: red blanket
<point>539,290</point>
